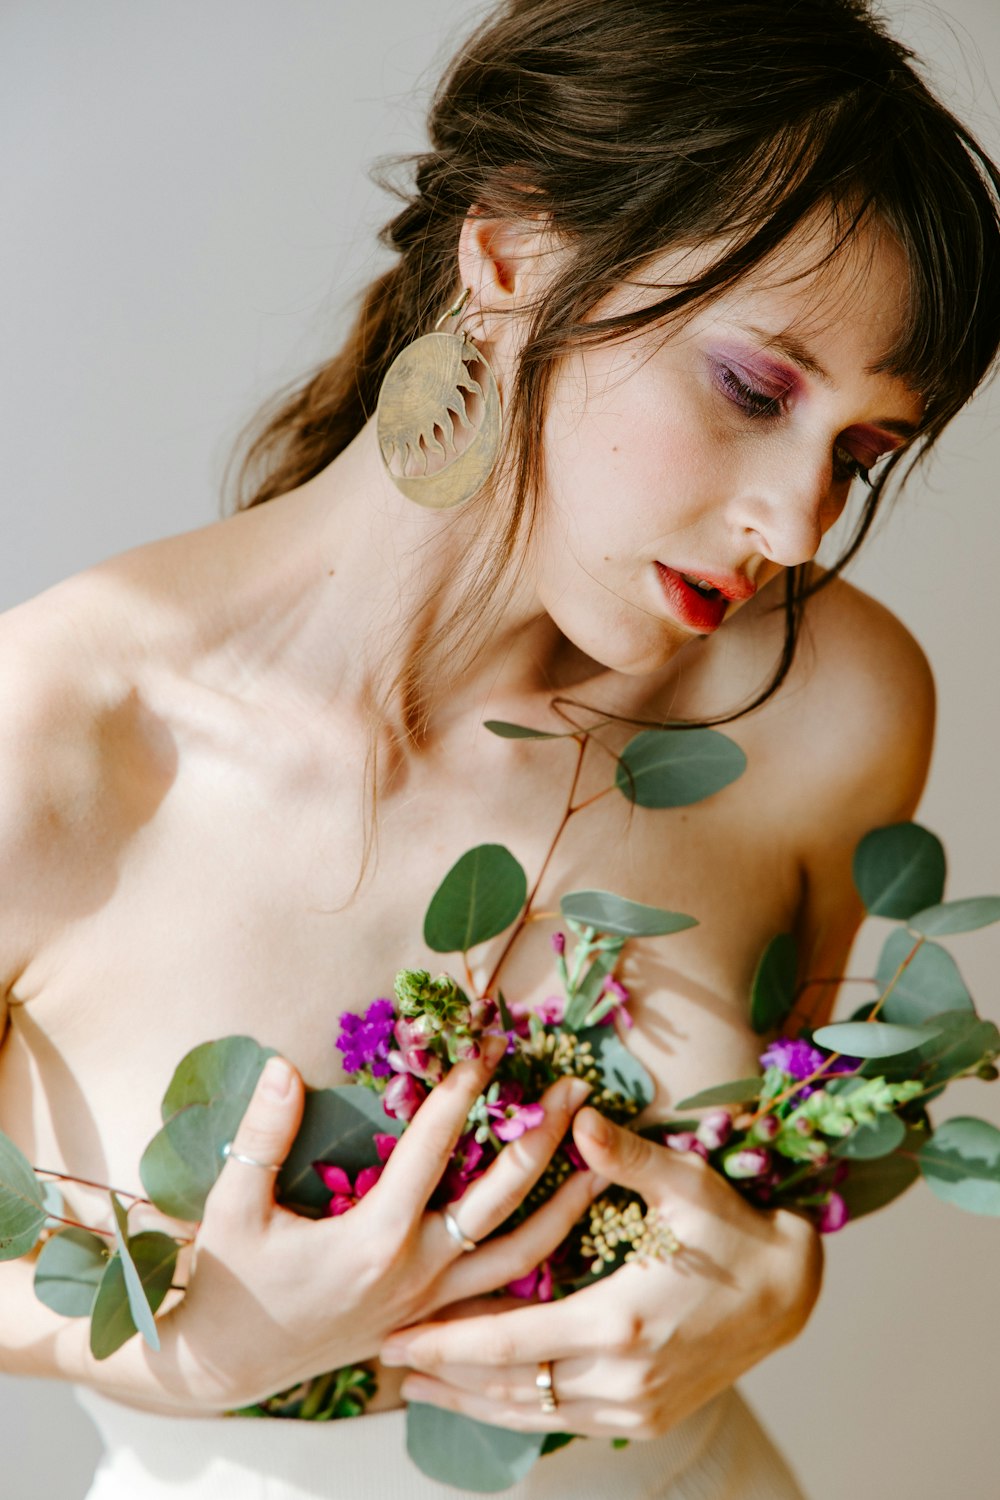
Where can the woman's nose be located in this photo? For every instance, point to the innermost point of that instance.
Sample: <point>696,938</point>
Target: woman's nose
<point>787,515</point>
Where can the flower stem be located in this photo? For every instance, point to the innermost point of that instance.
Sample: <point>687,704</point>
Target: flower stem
<point>86,1182</point>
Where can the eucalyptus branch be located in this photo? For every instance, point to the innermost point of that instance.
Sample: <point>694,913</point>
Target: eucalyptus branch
<point>900,971</point>
<point>86,1182</point>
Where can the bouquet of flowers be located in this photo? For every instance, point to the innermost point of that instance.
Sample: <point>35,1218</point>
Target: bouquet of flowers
<point>834,1125</point>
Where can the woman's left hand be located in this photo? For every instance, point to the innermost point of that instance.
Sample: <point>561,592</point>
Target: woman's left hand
<point>635,1353</point>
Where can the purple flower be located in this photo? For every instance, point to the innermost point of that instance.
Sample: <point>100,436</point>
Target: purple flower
<point>793,1056</point>
<point>403,1096</point>
<point>510,1118</point>
<point>833,1215</point>
<point>365,1040</point>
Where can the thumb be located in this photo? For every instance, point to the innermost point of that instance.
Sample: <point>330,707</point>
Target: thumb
<point>265,1135</point>
<point>621,1155</point>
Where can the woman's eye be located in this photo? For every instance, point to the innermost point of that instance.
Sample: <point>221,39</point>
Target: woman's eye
<point>749,398</point>
<point>846,467</point>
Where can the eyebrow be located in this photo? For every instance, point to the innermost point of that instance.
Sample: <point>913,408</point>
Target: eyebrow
<point>794,350</point>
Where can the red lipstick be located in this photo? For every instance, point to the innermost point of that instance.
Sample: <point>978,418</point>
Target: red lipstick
<point>697,609</point>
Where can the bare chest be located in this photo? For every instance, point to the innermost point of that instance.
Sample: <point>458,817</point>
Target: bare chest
<point>245,902</point>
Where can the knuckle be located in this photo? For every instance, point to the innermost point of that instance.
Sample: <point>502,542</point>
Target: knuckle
<point>627,1333</point>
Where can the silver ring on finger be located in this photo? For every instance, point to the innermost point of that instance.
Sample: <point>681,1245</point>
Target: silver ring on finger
<point>547,1399</point>
<point>457,1233</point>
<point>251,1161</point>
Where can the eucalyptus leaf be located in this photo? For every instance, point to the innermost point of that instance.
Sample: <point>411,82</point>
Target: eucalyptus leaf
<point>882,1136</point>
<point>481,895</point>
<point>606,912</point>
<point>507,731</point>
<point>55,1205</point>
<point>675,767</point>
<point>899,870</point>
<point>742,1091</point>
<point>338,1126</point>
<point>620,1070</point>
<point>470,1455</point>
<point>23,1208</point>
<point>202,1109</point>
<point>961,1163</point>
<point>869,1038</point>
<point>955,1041</point>
<point>603,964</point>
<point>772,993</point>
<point>69,1270</point>
<point>957,916</point>
<point>154,1257</point>
<point>873,1183</point>
<point>928,985</point>
<point>139,1307</point>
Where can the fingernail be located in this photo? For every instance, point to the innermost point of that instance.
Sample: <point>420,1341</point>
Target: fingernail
<point>576,1092</point>
<point>597,1127</point>
<point>276,1080</point>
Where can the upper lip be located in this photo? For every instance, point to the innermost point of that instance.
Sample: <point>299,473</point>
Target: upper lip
<point>729,585</point>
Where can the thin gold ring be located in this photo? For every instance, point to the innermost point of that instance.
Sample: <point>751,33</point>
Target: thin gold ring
<point>547,1398</point>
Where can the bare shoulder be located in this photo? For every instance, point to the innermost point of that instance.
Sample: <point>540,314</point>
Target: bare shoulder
<point>864,697</point>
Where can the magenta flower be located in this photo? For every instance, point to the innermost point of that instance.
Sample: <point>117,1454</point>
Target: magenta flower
<point>509,1117</point>
<point>403,1096</point>
<point>346,1194</point>
<point>537,1284</point>
<point>465,1166</point>
<point>714,1129</point>
<point>365,1040</point>
<point>685,1140</point>
<point>613,989</point>
<point>753,1161</point>
<point>833,1215</point>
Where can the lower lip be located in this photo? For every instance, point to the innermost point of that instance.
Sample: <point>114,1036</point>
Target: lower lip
<point>700,612</point>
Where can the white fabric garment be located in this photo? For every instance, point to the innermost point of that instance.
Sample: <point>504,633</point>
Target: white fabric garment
<point>718,1453</point>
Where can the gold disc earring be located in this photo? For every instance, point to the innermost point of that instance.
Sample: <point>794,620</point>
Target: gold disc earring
<point>439,418</point>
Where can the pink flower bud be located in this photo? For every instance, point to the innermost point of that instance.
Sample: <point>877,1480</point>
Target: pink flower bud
<point>833,1215</point>
<point>754,1161</point>
<point>466,1048</point>
<point>804,1126</point>
<point>715,1129</point>
<point>685,1140</point>
<point>558,941</point>
<point>483,1013</point>
<point>766,1128</point>
<point>403,1096</point>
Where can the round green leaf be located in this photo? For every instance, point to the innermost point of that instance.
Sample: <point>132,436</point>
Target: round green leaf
<point>621,1071</point>
<point>772,993</point>
<point>869,1038</point>
<point>481,895</point>
<point>674,768</point>
<point>957,916</point>
<point>507,731</point>
<point>871,1184</point>
<point>743,1091</point>
<point>867,1142</point>
<point>69,1270</point>
<point>606,912</point>
<point>224,1070</point>
<point>470,1455</point>
<point>899,870</point>
<point>955,1041</point>
<point>961,1163</point>
<point>22,1202</point>
<point>928,985</point>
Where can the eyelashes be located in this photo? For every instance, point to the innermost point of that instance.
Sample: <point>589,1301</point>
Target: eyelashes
<point>759,403</point>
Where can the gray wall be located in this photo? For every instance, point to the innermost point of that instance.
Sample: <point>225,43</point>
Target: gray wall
<point>185,213</point>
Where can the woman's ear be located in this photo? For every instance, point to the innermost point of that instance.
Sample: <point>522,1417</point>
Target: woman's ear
<point>506,266</point>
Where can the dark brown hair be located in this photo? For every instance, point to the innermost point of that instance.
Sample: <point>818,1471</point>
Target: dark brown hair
<point>641,124</point>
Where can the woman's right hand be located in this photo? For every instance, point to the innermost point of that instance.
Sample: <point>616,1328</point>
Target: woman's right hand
<point>273,1297</point>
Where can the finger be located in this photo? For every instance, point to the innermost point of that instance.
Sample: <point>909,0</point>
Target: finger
<point>587,1418</point>
<point>656,1174</point>
<point>516,1254</point>
<point>494,1196</point>
<point>578,1379</point>
<point>415,1167</point>
<point>265,1135</point>
<point>585,1323</point>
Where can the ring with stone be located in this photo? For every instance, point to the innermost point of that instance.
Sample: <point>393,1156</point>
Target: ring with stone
<point>546,1389</point>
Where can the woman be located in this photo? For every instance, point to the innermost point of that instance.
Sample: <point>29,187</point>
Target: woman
<point>221,683</point>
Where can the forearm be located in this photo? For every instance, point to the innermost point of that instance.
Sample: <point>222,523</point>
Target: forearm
<point>35,1341</point>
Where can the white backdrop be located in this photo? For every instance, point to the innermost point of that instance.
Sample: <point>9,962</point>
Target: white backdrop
<point>185,215</point>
